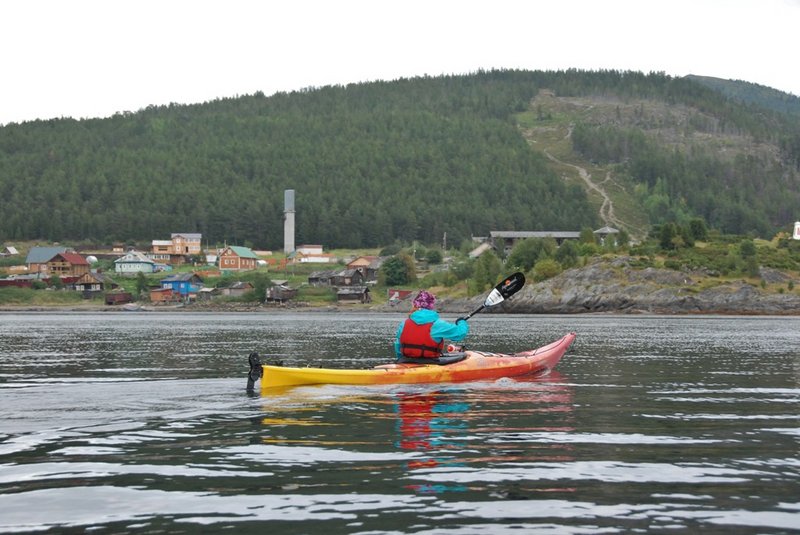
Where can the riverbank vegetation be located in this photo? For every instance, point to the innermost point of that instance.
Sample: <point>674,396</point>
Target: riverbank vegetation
<point>772,265</point>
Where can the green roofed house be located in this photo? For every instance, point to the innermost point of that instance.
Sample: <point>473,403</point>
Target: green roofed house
<point>235,258</point>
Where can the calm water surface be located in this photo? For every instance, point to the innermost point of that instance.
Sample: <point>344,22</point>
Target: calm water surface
<point>140,423</point>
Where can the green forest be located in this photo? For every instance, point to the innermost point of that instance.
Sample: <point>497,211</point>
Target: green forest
<point>381,162</point>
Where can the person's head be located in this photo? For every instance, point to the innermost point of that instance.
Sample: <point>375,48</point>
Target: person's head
<point>424,299</point>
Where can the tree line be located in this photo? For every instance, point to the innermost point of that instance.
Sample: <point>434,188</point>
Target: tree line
<point>372,163</point>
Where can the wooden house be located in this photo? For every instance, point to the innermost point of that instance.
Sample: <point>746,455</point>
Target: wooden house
<point>68,264</point>
<point>321,278</point>
<point>93,282</point>
<point>235,258</point>
<point>368,266</point>
<point>177,249</point>
<point>347,277</point>
<point>39,256</point>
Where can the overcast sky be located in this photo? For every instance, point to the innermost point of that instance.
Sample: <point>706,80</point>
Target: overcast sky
<point>93,58</point>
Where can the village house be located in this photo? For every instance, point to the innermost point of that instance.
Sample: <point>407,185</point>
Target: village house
<point>39,256</point>
<point>134,262</point>
<point>67,265</point>
<point>236,258</point>
<point>183,284</point>
<point>368,266</point>
<point>177,249</point>
<point>321,278</point>
<point>9,250</point>
<point>93,282</point>
<point>347,277</point>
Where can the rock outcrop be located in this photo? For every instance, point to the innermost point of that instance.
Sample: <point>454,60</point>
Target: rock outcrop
<point>618,286</point>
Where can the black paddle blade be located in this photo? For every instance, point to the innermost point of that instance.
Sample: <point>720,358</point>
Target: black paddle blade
<point>511,285</point>
<point>507,287</point>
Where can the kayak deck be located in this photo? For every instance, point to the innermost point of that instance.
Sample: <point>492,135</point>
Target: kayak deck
<point>477,365</point>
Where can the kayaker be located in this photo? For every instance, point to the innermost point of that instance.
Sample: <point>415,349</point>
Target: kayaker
<point>423,333</point>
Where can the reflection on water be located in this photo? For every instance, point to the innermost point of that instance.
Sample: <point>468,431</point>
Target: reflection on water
<point>140,423</point>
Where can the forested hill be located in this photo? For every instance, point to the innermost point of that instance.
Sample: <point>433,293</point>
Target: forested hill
<point>373,163</point>
<point>763,96</point>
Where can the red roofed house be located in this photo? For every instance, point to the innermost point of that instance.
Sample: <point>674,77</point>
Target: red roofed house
<point>68,265</point>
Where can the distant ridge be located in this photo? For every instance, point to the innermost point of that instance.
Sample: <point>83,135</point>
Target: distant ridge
<point>750,93</point>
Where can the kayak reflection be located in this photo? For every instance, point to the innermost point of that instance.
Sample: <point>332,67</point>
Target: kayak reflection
<point>446,424</point>
<point>425,437</point>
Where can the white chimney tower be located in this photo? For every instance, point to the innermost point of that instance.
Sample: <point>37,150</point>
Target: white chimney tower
<point>288,221</point>
<point>796,234</point>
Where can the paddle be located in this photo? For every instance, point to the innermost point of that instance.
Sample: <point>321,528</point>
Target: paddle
<point>507,287</point>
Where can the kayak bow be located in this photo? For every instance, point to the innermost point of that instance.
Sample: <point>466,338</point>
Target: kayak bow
<point>477,365</point>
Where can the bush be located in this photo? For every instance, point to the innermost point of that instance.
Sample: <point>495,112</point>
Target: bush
<point>546,268</point>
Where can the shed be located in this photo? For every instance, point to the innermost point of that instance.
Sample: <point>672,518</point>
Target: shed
<point>605,232</point>
<point>280,292</point>
<point>237,289</point>
<point>163,295</point>
<point>358,294</point>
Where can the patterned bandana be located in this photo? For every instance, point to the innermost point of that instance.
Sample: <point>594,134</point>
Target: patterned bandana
<point>424,299</point>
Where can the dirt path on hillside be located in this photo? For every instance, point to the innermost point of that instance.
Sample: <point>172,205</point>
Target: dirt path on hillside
<point>607,207</point>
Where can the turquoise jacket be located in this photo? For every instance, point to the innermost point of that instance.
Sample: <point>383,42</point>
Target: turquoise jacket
<point>440,330</point>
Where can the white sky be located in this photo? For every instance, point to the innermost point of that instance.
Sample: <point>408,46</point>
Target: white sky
<point>93,58</point>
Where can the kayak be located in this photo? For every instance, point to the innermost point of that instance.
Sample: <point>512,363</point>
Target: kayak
<point>475,366</point>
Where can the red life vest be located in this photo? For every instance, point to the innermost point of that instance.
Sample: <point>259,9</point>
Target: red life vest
<point>416,341</point>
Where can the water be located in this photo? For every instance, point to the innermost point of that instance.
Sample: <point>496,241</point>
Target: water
<point>140,423</point>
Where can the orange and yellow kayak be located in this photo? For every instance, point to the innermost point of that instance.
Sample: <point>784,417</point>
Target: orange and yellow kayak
<point>476,366</point>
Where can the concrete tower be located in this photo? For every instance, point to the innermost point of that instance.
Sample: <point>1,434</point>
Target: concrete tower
<point>288,221</point>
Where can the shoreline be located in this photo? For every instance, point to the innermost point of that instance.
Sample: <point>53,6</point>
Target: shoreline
<point>458,307</point>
